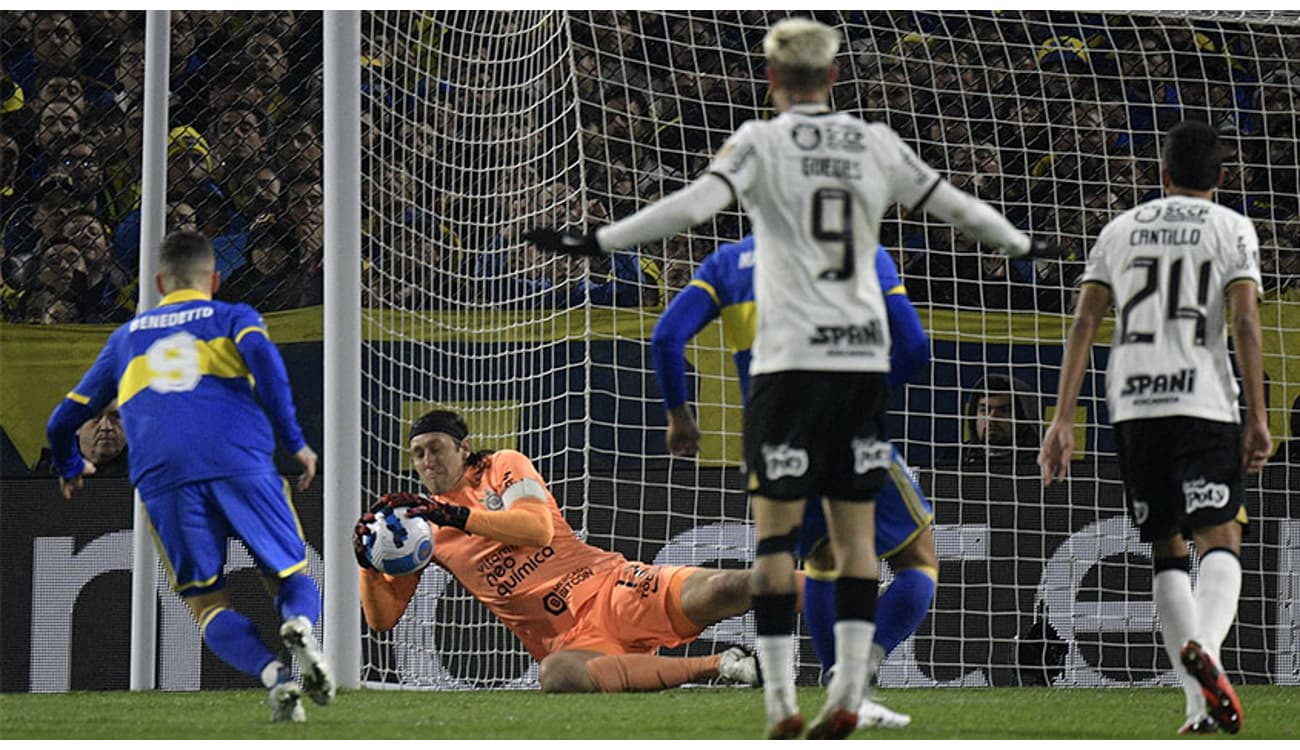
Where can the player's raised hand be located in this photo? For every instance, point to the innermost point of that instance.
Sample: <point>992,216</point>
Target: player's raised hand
<point>565,242</point>
<point>1256,446</point>
<point>359,540</point>
<point>67,486</point>
<point>1058,446</point>
<point>1041,248</point>
<point>394,500</point>
<point>307,457</point>
<point>683,434</point>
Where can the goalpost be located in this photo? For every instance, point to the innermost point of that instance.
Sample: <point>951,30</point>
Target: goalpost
<point>476,125</point>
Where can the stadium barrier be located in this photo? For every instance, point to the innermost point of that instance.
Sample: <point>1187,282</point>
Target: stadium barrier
<point>1026,590</point>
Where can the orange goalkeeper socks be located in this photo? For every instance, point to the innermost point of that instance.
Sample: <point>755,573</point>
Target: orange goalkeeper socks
<point>619,673</point>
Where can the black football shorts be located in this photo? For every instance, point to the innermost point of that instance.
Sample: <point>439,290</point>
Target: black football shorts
<point>817,433</point>
<point>1180,474</point>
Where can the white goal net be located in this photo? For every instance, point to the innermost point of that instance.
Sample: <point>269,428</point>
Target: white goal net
<point>478,125</point>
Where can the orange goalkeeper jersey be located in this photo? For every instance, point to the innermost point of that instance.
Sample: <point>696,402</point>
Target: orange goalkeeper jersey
<point>535,591</point>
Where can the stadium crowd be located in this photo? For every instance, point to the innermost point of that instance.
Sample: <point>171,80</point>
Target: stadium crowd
<point>1049,115</point>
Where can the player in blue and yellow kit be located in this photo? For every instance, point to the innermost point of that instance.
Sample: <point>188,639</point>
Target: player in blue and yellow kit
<point>724,286</point>
<point>188,377</point>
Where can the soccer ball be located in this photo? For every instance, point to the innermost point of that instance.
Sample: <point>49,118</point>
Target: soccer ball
<point>398,544</point>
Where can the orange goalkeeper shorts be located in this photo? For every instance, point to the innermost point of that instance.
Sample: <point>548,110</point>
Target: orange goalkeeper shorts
<point>637,609</point>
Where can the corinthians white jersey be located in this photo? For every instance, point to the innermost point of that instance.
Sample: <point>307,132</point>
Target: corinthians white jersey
<point>815,185</point>
<point>1168,264</point>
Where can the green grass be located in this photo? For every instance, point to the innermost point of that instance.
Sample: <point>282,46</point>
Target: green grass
<point>726,713</point>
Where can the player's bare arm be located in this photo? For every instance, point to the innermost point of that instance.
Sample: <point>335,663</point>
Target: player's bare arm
<point>1058,443</point>
<point>307,457</point>
<point>683,433</point>
<point>1256,443</point>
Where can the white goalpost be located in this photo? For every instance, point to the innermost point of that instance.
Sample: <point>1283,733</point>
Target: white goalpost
<point>476,125</point>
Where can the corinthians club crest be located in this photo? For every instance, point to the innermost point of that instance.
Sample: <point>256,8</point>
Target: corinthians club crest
<point>493,501</point>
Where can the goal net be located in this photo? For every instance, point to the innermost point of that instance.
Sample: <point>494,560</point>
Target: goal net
<point>478,125</point>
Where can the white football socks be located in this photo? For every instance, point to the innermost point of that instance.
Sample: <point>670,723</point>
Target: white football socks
<point>776,656</point>
<point>852,649</point>
<point>271,673</point>
<point>1172,591</point>
<point>1217,590</point>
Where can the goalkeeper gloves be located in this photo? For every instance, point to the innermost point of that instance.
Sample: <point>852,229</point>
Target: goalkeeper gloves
<point>441,514</point>
<point>387,503</point>
<point>566,241</point>
<point>1041,248</point>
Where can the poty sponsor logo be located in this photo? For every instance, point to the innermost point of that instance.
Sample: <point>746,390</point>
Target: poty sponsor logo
<point>784,461</point>
<point>1202,494</point>
<point>870,454</point>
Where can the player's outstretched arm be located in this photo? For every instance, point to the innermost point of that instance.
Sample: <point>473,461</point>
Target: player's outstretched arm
<point>676,213</point>
<point>978,220</point>
<point>1058,443</point>
<point>1256,443</point>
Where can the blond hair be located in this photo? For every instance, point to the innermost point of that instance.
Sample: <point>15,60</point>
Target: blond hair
<point>802,52</point>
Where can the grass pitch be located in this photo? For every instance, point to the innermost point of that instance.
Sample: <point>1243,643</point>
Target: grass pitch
<point>693,714</point>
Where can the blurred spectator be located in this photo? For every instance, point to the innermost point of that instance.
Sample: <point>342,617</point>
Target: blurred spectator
<point>128,72</point>
<point>63,86</point>
<point>99,301</point>
<point>258,198</point>
<point>29,230</point>
<point>60,276</point>
<point>80,162</point>
<point>189,177</point>
<point>241,137</point>
<point>272,277</point>
<point>298,152</point>
<point>304,209</point>
<point>266,52</point>
<point>181,216</point>
<point>188,78</point>
<point>100,32</point>
<point>102,441</point>
<point>233,81</point>
<point>56,43</point>
<point>1001,423</point>
<point>57,123</point>
<point>117,150</point>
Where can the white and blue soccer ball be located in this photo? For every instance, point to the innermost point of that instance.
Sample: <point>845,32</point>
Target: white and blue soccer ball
<point>398,544</point>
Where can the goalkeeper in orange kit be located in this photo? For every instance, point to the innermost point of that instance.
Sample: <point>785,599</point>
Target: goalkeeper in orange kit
<point>591,617</point>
